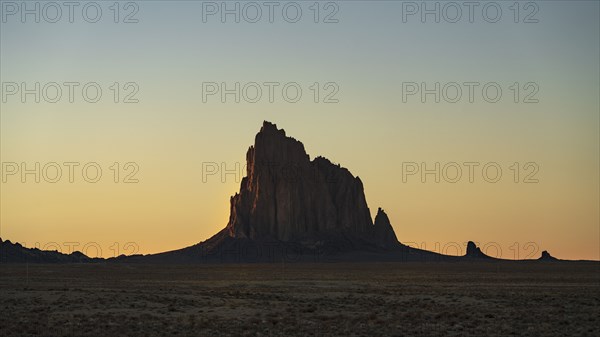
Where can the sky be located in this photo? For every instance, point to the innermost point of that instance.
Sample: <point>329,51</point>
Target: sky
<point>367,72</point>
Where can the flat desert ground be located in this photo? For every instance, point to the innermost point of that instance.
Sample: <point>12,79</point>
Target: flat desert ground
<point>335,299</point>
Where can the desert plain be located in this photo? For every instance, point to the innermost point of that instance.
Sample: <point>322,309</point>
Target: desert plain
<point>500,298</point>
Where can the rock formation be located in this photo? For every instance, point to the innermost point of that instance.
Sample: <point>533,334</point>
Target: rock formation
<point>474,251</point>
<point>547,257</point>
<point>286,196</point>
<point>384,233</point>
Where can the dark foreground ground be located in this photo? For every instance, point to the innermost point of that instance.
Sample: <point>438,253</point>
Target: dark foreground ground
<point>391,299</point>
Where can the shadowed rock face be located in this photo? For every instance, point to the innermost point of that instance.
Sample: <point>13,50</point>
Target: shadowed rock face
<point>286,196</point>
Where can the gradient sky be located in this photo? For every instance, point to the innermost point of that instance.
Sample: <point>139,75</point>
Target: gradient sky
<point>369,53</point>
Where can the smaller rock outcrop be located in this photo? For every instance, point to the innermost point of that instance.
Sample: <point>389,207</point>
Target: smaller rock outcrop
<point>547,257</point>
<point>474,251</point>
<point>384,233</point>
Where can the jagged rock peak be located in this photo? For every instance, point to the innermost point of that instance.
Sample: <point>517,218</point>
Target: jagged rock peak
<point>286,196</point>
<point>271,127</point>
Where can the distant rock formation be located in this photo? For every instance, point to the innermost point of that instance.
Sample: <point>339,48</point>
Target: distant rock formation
<point>547,257</point>
<point>286,196</point>
<point>475,252</point>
